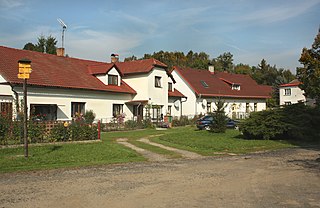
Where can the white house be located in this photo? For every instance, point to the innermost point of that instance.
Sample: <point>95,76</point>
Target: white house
<point>59,87</point>
<point>291,93</point>
<point>241,93</point>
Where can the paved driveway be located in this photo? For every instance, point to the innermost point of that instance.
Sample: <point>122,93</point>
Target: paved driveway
<point>285,178</point>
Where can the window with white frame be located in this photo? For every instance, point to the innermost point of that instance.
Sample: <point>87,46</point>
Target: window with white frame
<point>157,81</point>
<point>287,91</point>
<point>117,109</point>
<point>77,108</point>
<point>112,79</point>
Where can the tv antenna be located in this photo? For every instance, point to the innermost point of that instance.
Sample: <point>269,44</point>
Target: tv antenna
<point>64,27</point>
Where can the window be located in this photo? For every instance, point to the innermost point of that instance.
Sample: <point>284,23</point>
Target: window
<point>169,109</point>
<point>287,91</point>
<point>208,107</point>
<point>6,109</point>
<point>43,112</point>
<point>157,81</point>
<point>117,109</point>
<point>255,107</point>
<point>204,84</point>
<point>247,108</point>
<point>235,87</point>
<point>156,112</point>
<point>112,79</point>
<point>169,86</point>
<point>77,108</point>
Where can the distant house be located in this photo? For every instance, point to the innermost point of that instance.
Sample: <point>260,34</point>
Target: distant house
<point>291,93</point>
<point>241,93</point>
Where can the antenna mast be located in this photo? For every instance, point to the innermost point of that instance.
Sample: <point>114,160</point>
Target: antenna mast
<point>64,27</point>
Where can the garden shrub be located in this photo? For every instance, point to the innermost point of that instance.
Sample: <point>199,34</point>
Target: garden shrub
<point>59,133</point>
<point>267,124</point>
<point>297,122</point>
<point>36,132</point>
<point>89,117</point>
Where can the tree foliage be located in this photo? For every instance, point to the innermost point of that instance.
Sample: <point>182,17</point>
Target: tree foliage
<point>224,62</point>
<point>309,74</point>
<point>44,45</point>
<point>219,124</point>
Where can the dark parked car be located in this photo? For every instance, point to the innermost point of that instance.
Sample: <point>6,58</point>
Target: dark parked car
<point>206,121</point>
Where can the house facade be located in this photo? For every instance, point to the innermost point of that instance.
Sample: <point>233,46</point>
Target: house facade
<point>242,95</point>
<point>61,87</point>
<point>291,93</point>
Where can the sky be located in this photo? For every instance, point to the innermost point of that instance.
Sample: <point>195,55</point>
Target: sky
<point>252,30</point>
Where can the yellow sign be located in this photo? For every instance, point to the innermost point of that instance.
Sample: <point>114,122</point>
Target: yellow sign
<point>23,76</point>
<point>25,68</point>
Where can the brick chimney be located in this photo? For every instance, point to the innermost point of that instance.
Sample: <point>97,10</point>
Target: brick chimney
<point>60,51</point>
<point>211,69</point>
<point>114,58</point>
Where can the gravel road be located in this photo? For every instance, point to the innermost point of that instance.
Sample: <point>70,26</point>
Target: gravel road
<point>284,178</point>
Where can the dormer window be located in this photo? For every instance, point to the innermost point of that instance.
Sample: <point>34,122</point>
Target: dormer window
<point>112,79</point>
<point>235,87</point>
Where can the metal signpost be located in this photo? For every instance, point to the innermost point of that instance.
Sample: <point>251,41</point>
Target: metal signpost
<point>24,73</point>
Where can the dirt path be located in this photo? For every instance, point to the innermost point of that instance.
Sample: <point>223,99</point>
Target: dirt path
<point>184,153</point>
<point>151,156</point>
<point>284,178</point>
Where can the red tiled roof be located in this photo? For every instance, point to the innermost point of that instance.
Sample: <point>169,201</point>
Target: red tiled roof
<point>218,84</point>
<point>55,71</point>
<point>139,66</point>
<point>175,93</point>
<point>293,83</point>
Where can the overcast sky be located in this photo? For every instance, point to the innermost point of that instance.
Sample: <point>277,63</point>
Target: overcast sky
<point>251,30</point>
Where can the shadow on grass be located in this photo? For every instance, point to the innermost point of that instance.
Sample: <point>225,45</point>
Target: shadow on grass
<point>307,144</point>
<point>54,148</point>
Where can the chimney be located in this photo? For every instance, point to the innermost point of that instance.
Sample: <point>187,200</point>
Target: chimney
<point>60,51</point>
<point>211,69</point>
<point>114,58</point>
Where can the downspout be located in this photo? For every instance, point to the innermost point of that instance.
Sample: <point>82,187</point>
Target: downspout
<point>16,95</point>
<point>196,103</point>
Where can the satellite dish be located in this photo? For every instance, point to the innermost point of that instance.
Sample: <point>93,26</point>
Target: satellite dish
<point>64,27</point>
<point>204,102</point>
<point>176,103</point>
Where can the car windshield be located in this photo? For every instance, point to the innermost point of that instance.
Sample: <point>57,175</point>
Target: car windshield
<point>210,118</point>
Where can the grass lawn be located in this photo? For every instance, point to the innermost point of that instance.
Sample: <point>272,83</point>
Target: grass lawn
<point>207,143</point>
<point>52,156</point>
<point>66,155</point>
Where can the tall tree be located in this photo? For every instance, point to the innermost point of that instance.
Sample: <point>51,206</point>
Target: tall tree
<point>309,74</point>
<point>44,45</point>
<point>224,62</point>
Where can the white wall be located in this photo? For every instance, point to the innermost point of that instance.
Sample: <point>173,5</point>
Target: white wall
<point>295,97</point>
<point>100,102</point>
<point>189,107</point>
<point>144,85</point>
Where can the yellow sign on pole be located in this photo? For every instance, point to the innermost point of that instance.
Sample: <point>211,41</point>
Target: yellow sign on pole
<point>23,76</point>
<point>24,69</point>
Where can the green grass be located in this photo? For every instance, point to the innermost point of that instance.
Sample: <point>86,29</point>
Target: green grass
<point>206,143</point>
<point>52,156</point>
<point>158,150</point>
<point>66,155</point>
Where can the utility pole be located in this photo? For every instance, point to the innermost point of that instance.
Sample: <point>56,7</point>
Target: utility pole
<point>24,73</point>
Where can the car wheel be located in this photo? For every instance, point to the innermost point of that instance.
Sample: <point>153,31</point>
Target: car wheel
<point>207,128</point>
